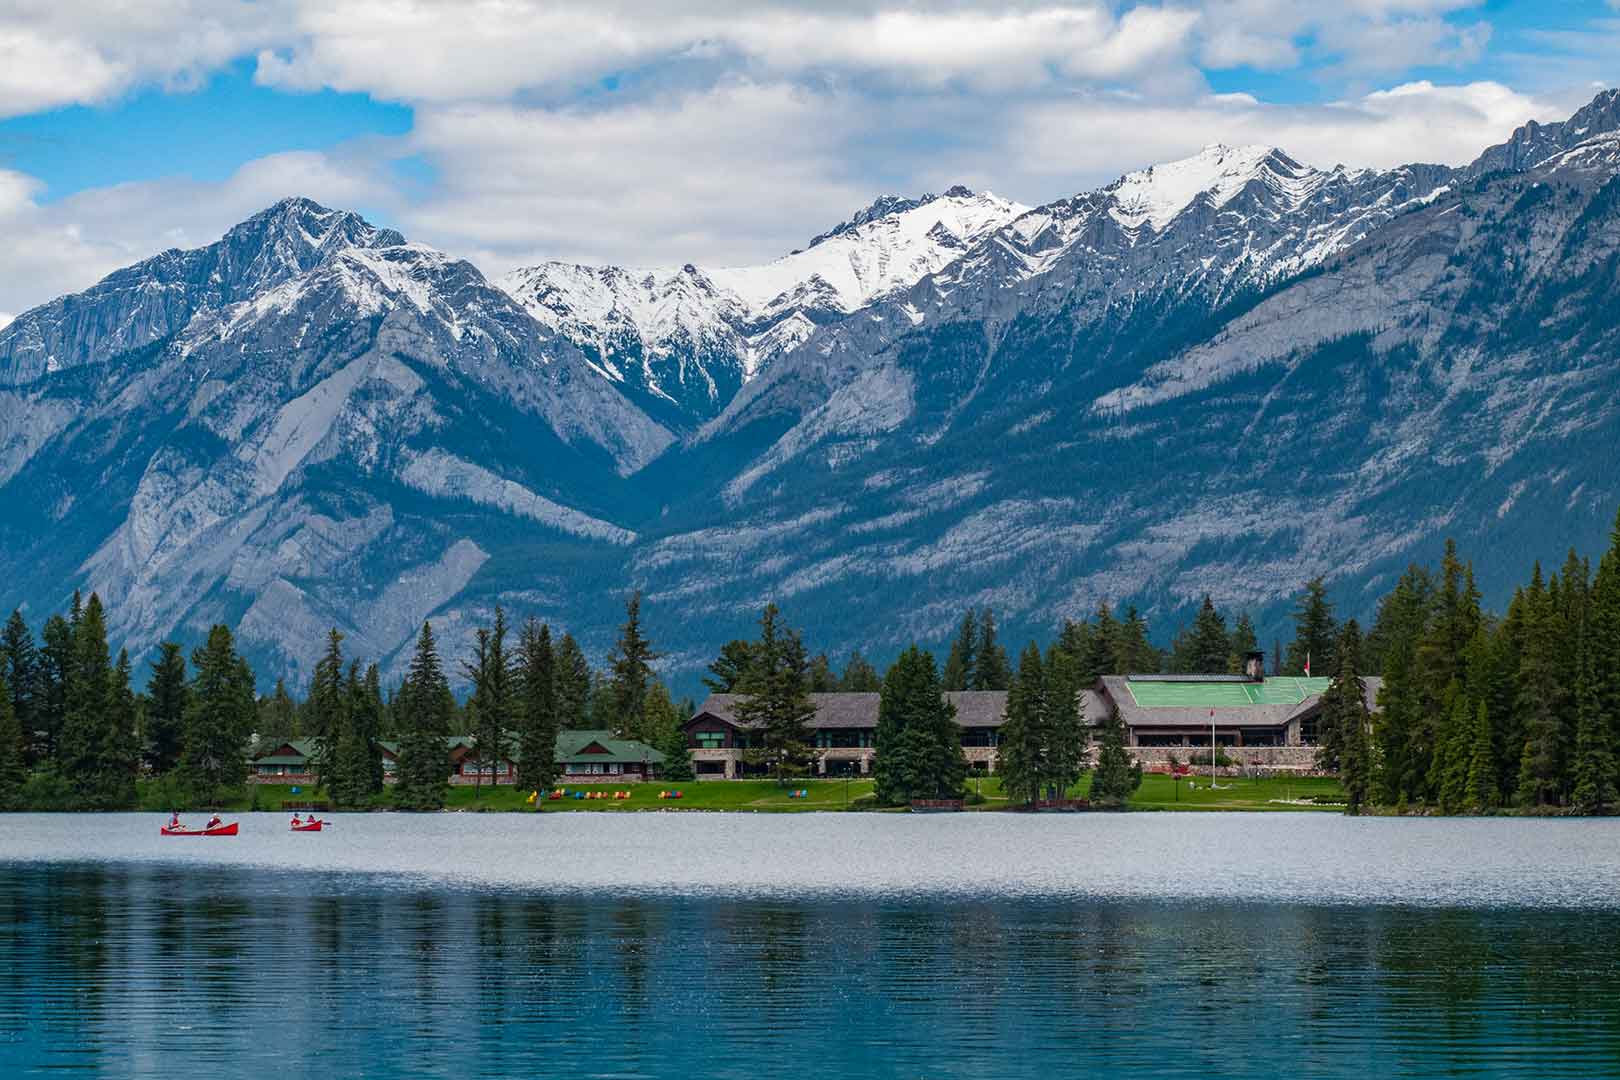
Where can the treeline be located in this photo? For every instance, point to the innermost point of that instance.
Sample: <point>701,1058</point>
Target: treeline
<point>76,734</point>
<point>1479,711</point>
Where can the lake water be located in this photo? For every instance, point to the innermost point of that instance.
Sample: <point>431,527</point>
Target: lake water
<point>852,946</point>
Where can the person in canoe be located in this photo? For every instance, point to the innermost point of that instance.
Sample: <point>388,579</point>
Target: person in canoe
<point>213,822</point>
<point>174,820</point>
<point>295,821</point>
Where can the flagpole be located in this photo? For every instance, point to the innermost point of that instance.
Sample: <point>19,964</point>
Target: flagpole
<point>1212,749</point>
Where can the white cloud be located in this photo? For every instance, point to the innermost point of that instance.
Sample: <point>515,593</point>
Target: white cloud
<point>1097,138</point>
<point>735,133</point>
<point>65,52</point>
<point>6,319</point>
<point>718,175</point>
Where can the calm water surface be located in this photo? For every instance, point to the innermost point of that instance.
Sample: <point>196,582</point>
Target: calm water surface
<point>690,945</point>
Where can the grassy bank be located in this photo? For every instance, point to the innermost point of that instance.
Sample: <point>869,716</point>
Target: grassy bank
<point>1156,793</point>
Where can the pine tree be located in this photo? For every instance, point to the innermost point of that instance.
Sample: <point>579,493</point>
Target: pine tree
<point>669,733</point>
<point>1206,650</point>
<point>1314,631</point>
<point>1066,733</point>
<point>1594,779</point>
<point>777,703</point>
<point>328,708</point>
<point>537,723</point>
<point>90,750</point>
<point>1116,776</point>
<point>991,668</point>
<point>19,667</point>
<point>1344,701</point>
<point>1102,656</point>
<point>731,668</point>
<point>1482,776</point>
<point>1346,722</point>
<point>1605,643</point>
<point>123,745</point>
<point>1244,642</point>
<point>960,668</point>
<point>859,676</point>
<point>822,679</point>
<point>278,716</point>
<point>1135,653</point>
<point>166,693</point>
<point>357,774</point>
<point>1542,763</point>
<point>631,664</point>
<point>219,715</point>
<point>426,711</point>
<point>493,701</point>
<point>919,745</point>
<point>51,688</point>
<point>1021,751</point>
<point>1401,752</point>
<point>574,683</point>
<point>1448,772</point>
<point>13,766</point>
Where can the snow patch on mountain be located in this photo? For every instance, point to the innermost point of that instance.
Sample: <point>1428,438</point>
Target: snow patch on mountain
<point>1155,195</point>
<point>686,338</point>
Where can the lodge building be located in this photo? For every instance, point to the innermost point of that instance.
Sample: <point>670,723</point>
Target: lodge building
<point>1257,720</point>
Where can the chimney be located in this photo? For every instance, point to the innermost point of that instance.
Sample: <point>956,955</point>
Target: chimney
<point>1254,666</point>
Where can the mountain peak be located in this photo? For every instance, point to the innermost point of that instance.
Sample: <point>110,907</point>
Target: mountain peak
<point>891,205</point>
<point>1156,194</point>
<point>1533,143</point>
<point>312,226</point>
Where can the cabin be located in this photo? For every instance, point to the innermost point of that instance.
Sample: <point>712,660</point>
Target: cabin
<point>286,762</point>
<point>844,731</point>
<point>589,756</point>
<point>582,756</point>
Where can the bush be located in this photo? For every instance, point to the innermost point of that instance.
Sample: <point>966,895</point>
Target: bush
<point>973,798</point>
<point>1222,759</point>
<point>864,802</point>
<point>46,791</point>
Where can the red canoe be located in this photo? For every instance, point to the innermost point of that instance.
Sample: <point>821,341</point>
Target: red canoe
<point>308,826</point>
<point>218,830</point>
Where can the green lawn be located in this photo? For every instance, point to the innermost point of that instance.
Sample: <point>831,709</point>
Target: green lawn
<point>1157,793</point>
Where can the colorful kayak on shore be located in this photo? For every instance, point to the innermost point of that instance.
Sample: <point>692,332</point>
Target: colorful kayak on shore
<point>217,830</point>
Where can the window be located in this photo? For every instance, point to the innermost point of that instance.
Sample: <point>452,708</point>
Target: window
<point>710,740</point>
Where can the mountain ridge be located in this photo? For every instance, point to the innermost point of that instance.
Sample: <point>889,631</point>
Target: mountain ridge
<point>1228,373</point>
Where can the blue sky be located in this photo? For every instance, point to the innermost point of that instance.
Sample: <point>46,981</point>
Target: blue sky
<point>508,131</point>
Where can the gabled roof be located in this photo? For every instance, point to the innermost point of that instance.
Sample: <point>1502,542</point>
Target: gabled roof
<point>582,746</point>
<point>974,708</point>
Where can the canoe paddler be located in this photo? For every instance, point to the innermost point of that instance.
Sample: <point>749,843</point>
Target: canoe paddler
<point>213,822</point>
<point>174,820</point>
<point>295,821</point>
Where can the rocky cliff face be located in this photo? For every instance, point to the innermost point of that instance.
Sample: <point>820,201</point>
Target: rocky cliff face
<point>1226,374</point>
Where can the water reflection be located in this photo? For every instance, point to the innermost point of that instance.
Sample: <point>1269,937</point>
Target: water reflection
<point>141,970</point>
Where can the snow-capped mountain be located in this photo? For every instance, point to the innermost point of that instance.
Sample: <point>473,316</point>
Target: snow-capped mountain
<point>682,340</point>
<point>1228,373</point>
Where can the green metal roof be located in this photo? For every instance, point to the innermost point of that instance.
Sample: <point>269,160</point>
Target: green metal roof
<point>1282,690</point>
<point>571,743</point>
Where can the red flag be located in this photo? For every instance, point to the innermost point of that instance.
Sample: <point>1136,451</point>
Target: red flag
<point>1307,665</point>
